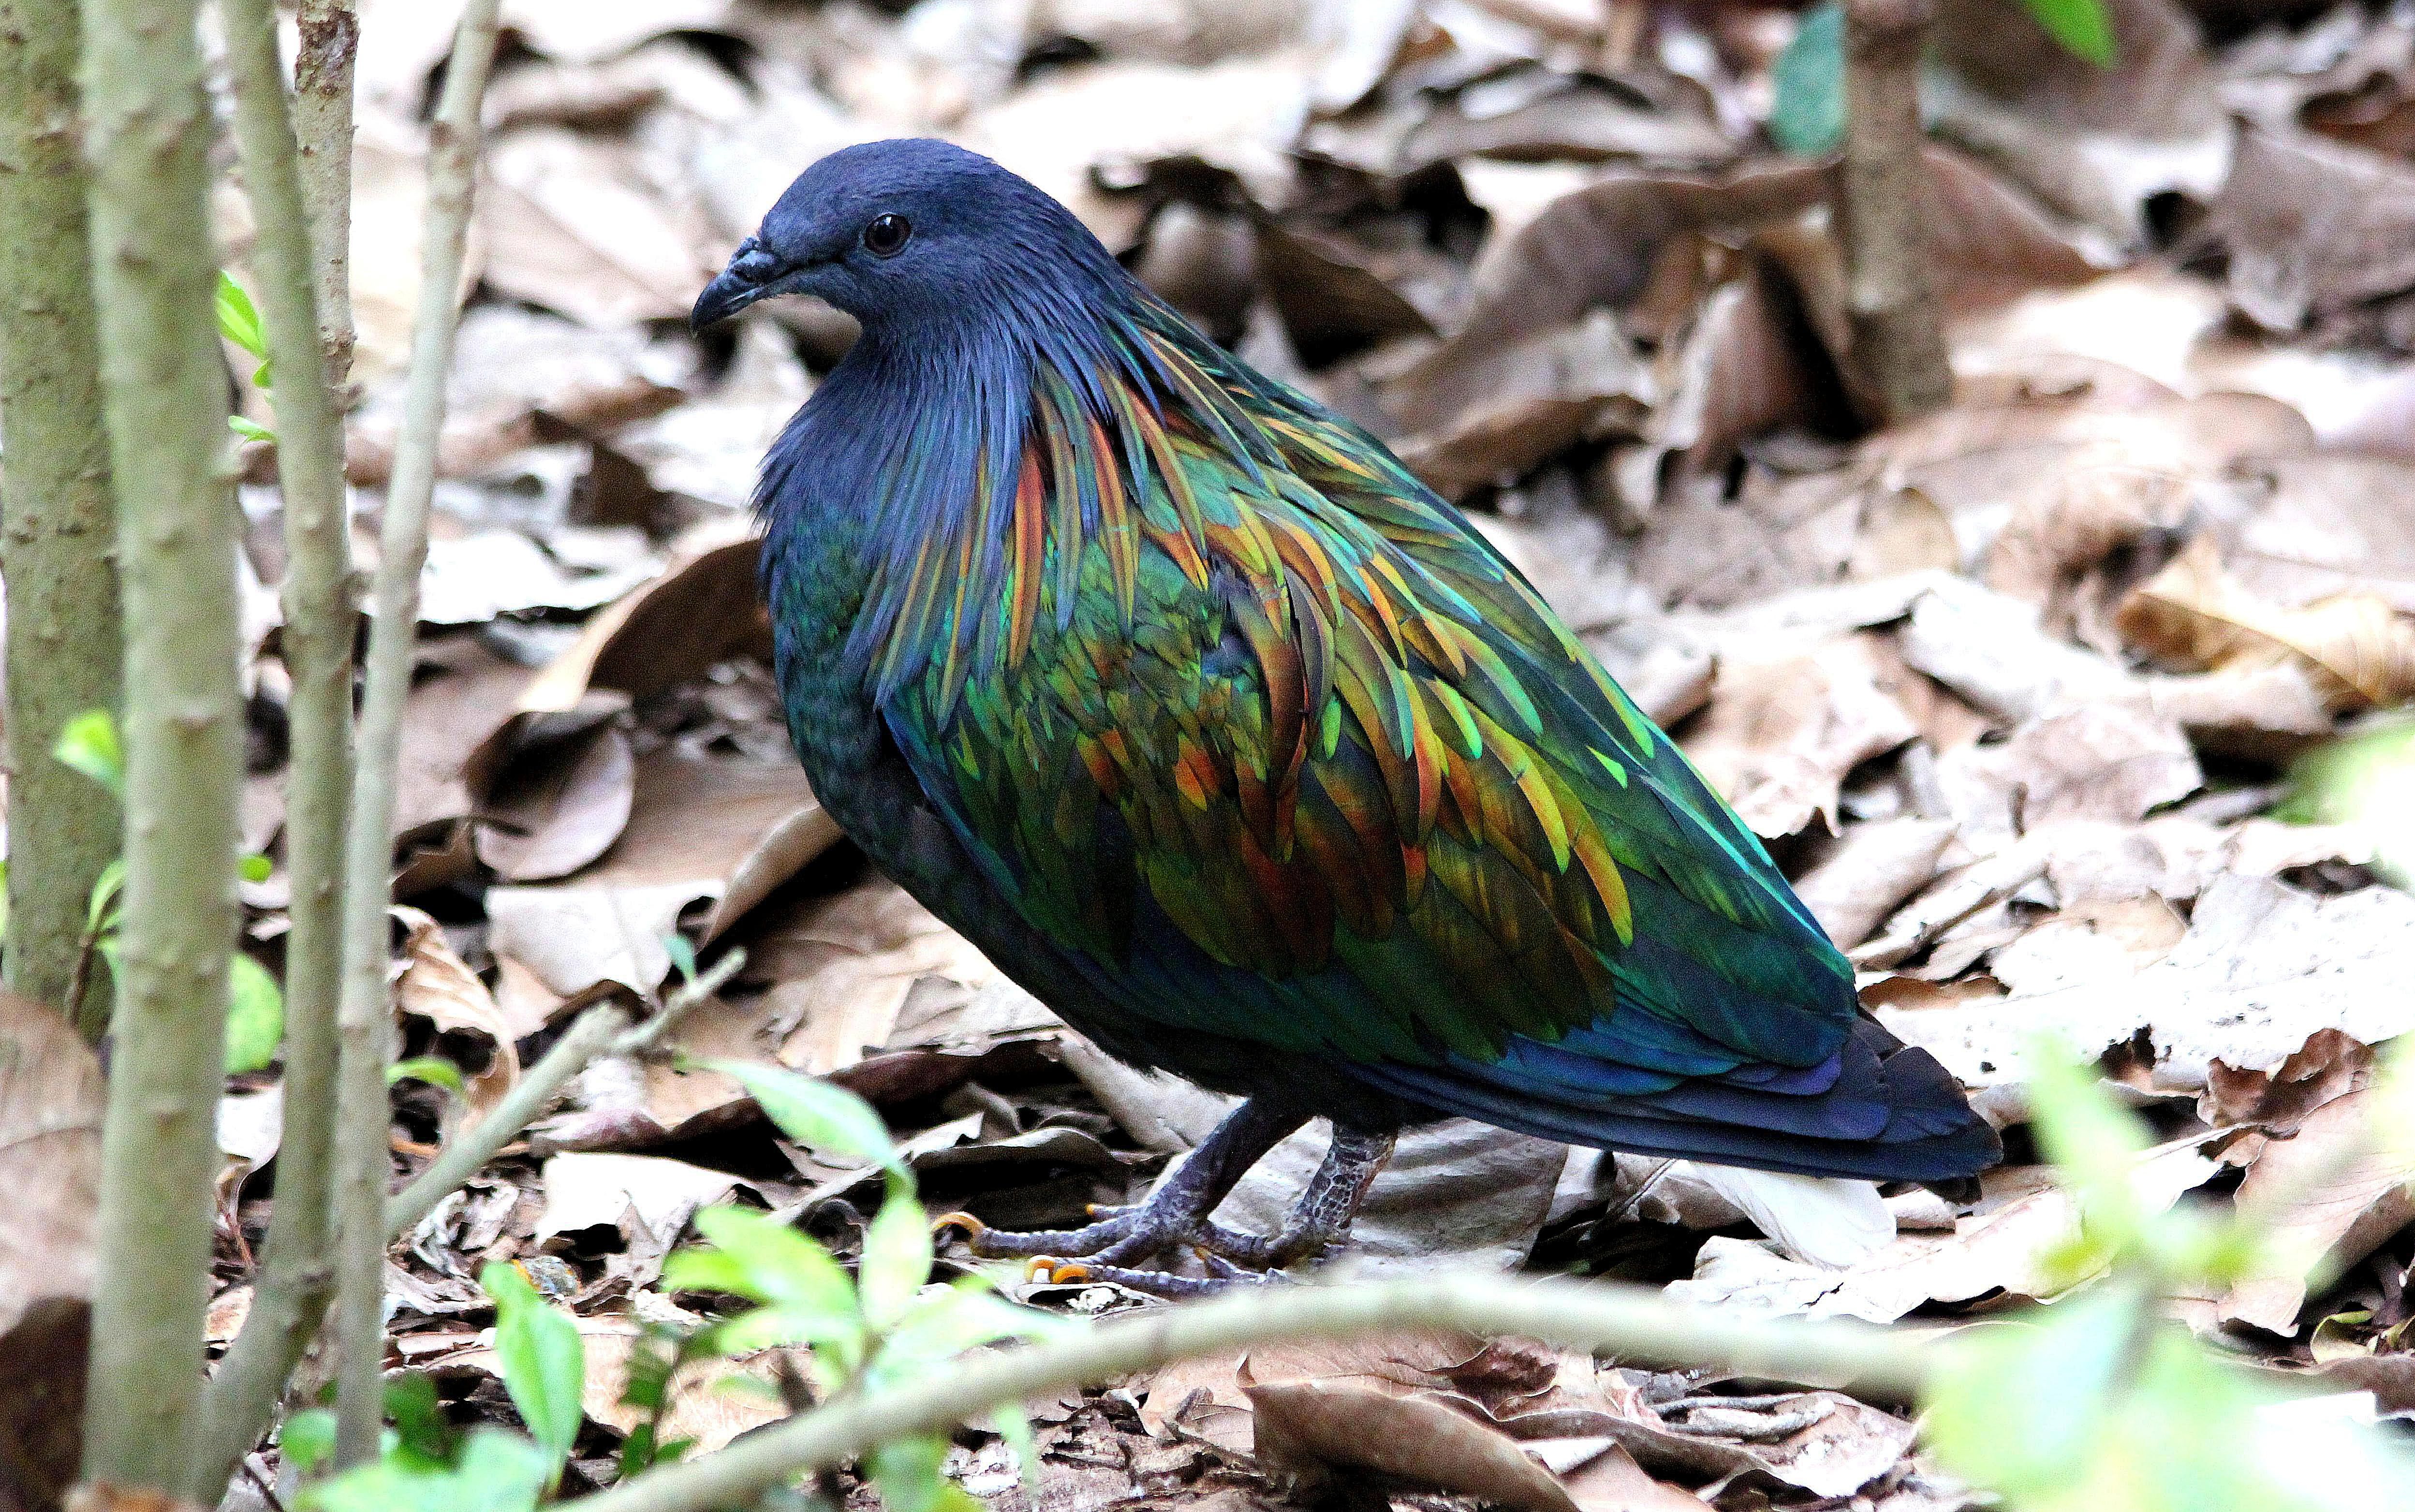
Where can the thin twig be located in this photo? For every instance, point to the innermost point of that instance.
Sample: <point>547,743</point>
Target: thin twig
<point>600,1033</point>
<point>146,135</point>
<point>589,1037</point>
<point>1639,1325</point>
<point>364,1024</point>
<point>289,1297</point>
<point>328,33</point>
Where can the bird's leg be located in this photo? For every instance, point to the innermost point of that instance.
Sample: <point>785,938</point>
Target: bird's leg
<point>1321,1217</point>
<point>1173,1213</point>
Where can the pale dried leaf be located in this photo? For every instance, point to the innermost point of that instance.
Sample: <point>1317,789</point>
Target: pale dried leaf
<point>51,1099</point>
<point>1782,732</point>
<point>2358,650</point>
<point>2323,1200</point>
<point>1307,1431</point>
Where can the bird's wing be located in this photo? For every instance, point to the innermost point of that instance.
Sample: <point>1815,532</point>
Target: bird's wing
<point>1276,746</point>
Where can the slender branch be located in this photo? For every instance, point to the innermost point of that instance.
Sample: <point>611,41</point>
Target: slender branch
<point>592,1034</point>
<point>289,1297</point>
<point>1636,1325</point>
<point>147,132</point>
<point>365,1019</point>
<point>600,1032</point>
<point>1899,367</point>
<point>63,649</point>
<point>330,34</point>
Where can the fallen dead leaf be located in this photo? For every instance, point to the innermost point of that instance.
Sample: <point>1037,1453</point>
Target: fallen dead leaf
<point>1307,1431</point>
<point>51,1099</point>
<point>1782,732</point>
<point>2359,651</point>
<point>2322,1199</point>
<point>2262,966</point>
<point>436,984</point>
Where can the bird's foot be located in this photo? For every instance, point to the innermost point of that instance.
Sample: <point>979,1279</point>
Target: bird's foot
<point>1121,1236</point>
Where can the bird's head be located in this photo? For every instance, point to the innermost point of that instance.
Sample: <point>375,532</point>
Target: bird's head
<point>911,230</point>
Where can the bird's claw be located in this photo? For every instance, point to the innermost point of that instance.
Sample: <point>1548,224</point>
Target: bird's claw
<point>971,1227</point>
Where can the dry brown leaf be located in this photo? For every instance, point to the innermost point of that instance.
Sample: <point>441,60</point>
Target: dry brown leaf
<point>1595,247</point>
<point>51,1099</point>
<point>438,985</point>
<point>2099,942</point>
<point>2313,228</point>
<point>558,805</point>
<point>572,225</point>
<point>462,693</point>
<point>647,1199</point>
<point>1612,1481</point>
<point>2333,524</point>
<point>2329,1066</point>
<point>1871,872</point>
<point>44,1356</point>
<point>2094,143</point>
<point>2262,966</point>
<point>2092,762</point>
<point>2359,651</point>
<point>1582,382</point>
<point>710,1401</point>
<point>1306,1432</point>
<point>2007,1244</point>
<point>2323,1200</point>
<point>1781,733</point>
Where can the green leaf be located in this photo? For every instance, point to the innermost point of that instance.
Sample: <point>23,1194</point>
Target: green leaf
<point>250,429</point>
<point>100,909</point>
<point>910,1476</point>
<point>434,1069</point>
<point>2363,780</point>
<point>1807,117</point>
<point>963,1315</point>
<point>496,1471</point>
<point>239,321</point>
<point>308,1440</point>
<point>806,1296</point>
<point>421,1430</point>
<point>682,953</point>
<point>255,1016</point>
<point>897,1257</point>
<point>822,1115</point>
<point>2082,27</point>
<point>255,867</point>
<point>89,743</point>
<point>544,1361</point>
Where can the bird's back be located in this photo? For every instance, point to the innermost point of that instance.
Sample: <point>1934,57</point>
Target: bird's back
<point>1269,748</point>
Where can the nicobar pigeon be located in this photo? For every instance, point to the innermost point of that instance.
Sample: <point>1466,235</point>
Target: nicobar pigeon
<point>1184,702</point>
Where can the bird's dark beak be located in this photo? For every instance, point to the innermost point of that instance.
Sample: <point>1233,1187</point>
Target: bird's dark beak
<point>746,279</point>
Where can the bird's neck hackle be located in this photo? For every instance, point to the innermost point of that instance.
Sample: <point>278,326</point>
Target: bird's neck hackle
<point>986,453</point>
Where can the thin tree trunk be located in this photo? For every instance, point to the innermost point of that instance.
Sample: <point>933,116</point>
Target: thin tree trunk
<point>323,126</point>
<point>1899,359</point>
<point>147,134</point>
<point>60,527</point>
<point>363,1165</point>
<point>290,1296</point>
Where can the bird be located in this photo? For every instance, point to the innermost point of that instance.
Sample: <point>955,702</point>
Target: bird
<point>1182,700</point>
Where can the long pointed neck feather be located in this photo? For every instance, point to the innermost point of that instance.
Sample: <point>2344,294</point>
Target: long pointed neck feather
<point>996,453</point>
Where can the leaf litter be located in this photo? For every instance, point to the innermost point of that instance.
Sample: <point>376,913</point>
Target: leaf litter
<point>2014,692</point>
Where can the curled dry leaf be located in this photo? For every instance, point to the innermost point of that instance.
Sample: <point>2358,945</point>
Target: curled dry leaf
<point>710,1401</point>
<point>436,984</point>
<point>2358,650</point>
<point>2322,1199</point>
<point>2329,1064</point>
<point>1580,381</point>
<point>648,1199</point>
<point>2330,525</point>
<point>1307,1431</point>
<point>559,807</point>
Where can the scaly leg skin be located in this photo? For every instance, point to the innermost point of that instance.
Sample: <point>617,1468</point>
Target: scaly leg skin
<point>1320,1219</point>
<point>1127,1235</point>
<point>1110,1251</point>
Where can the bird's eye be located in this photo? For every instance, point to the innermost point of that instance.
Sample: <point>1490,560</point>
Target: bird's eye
<point>886,235</point>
